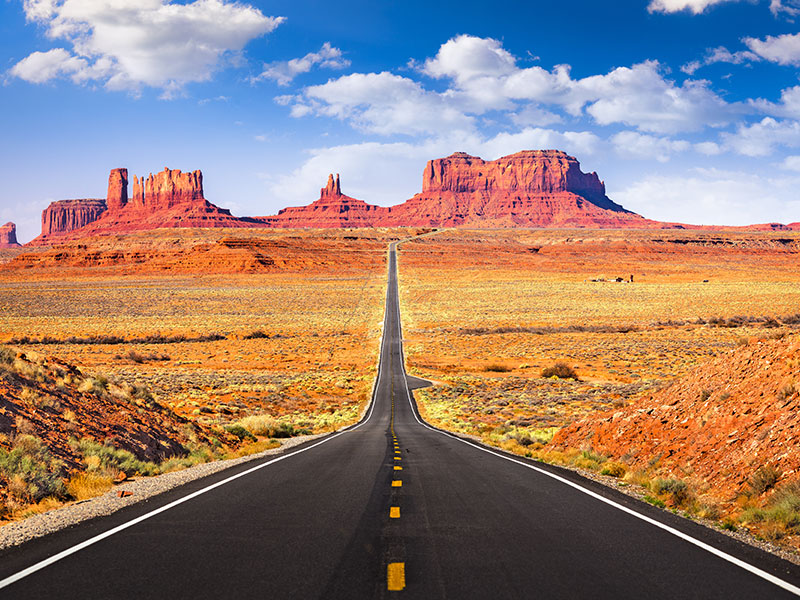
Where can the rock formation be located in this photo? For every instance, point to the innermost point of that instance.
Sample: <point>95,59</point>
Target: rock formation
<point>170,198</point>
<point>117,196</point>
<point>63,216</point>
<point>332,209</point>
<point>8,236</point>
<point>533,188</point>
<point>167,189</point>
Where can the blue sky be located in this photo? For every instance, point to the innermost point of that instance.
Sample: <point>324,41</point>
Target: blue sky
<point>688,109</point>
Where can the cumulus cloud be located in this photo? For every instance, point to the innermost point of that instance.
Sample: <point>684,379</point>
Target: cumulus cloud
<point>39,67</point>
<point>763,137</point>
<point>127,44</point>
<point>781,49</point>
<point>631,144</point>
<point>719,55</point>
<point>640,97</point>
<point>482,76</point>
<point>791,163</point>
<point>713,197</point>
<point>672,6</point>
<point>788,8</point>
<point>384,103</point>
<point>284,72</point>
<point>791,8</point>
<point>789,105</point>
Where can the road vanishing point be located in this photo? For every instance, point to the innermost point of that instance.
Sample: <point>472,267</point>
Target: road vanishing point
<point>392,508</point>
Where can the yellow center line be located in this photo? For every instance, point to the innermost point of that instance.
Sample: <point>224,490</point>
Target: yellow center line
<point>398,468</point>
<point>396,576</point>
<point>397,458</point>
<point>394,512</point>
<point>397,483</point>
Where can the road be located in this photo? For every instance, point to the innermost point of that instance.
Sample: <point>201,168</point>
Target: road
<point>392,509</point>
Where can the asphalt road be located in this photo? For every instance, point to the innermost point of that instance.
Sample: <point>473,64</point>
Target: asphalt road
<point>392,508</point>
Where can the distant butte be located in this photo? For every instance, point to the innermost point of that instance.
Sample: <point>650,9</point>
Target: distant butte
<point>167,199</point>
<point>532,188</point>
<point>8,236</point>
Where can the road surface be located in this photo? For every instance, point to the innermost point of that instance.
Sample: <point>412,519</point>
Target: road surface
<point>392,509</point>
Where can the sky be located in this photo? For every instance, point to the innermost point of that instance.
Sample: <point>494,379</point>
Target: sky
<point>689,110</point>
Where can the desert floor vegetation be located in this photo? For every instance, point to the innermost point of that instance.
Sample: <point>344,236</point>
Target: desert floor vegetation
<point>246,355</point>
<point>528,300</point>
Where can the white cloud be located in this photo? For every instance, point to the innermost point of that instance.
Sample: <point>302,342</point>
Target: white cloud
<point>631,144</point>
<point>640,97</point>
<point>484,77</point>
<point>712,197</point>
<point>384,103</point>
<point>694,6</point>
<point>791,9</point>
<point>789,105</point>
<point>763,137</point>
<point>720,55</point>
<point>284,72</point>
<point>708,148</point>
<point>781,49</point>
<point>39,67</point>
<point>126,44</point>
<point>791,163</point>
<point>776,7</point>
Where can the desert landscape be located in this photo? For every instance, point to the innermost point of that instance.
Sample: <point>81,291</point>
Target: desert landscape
<point>589,348</point>
<point>701,307</point>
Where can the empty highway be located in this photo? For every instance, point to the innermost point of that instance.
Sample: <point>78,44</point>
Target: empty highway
<point>392,508</point>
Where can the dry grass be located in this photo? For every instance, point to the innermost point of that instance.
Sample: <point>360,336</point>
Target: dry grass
<point>88,485</point>
<point>297,343</point>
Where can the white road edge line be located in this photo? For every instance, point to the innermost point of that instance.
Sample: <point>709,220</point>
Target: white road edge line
<point>101,536</point>
<point>684,536</point>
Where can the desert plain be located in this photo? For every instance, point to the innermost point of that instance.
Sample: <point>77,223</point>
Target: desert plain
<point>252,335</point>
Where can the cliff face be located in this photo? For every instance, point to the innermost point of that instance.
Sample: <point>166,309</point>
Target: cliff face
<point>533,188</point>
<point>170,198</point>
<point>531,171</point>
<point>8,236</point>
<point>333,209</point>
<point>64,216</point>
<point>167,189</point>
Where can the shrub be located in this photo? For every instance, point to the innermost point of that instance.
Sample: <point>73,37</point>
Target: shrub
<point>614,469</point>
<point>763,479</point>
<point>240,432</point>
<point>654,501</point>
<point>32,471</point>
<point>255,335</point>
<point>497,368</point>
<point>7,355</point>
<point>94,385</point>
<point>105,460</point>
<point>676,490</point>
<point>561,370</point>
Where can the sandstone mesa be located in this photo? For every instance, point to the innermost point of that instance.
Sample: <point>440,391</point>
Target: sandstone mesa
<point>531,188</point>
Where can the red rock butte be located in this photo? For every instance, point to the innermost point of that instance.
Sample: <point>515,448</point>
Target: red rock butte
<point>333,209</point>
<point>532,188</point>
<point>168,199</point>
<point>8,236</point>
